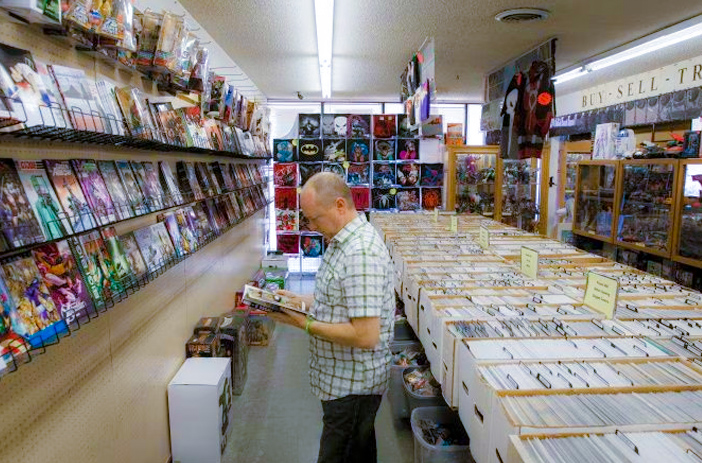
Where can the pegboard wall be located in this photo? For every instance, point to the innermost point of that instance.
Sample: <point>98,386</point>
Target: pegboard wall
<point>100,394</point>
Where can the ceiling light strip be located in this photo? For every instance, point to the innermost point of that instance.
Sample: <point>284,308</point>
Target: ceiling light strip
<point>324,17</point>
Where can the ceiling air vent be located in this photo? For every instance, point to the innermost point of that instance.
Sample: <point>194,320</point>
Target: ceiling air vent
<point>522,15</point>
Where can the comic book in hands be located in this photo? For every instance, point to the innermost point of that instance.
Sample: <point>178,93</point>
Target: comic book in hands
<point>271,302</point>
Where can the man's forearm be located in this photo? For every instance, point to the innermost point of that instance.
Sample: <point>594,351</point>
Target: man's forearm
<point>361,333</point>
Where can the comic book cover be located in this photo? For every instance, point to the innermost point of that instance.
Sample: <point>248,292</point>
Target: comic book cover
<point>214,134</point>
<point>383,174</point>
<point>115,187</point>
<point>236,175</point>
<point>257,172</point>
<point>203,178</point>
<point>307,170</point>
<point>155,245</point>
<point>361,198</point>
<point>408,174</point>
<point>431,198</point>
<point>70,195</point>
<point>288,243</point>
<point>310,150</point>
<point>243,172</point>
<point>284,150</point>
<point>173,126</point>
<point>187,234</point>
<point>43,200</point>
<point>336,168</point>
<point>408,199</point>
<point>217,222</point>
<point>383,199</point>
<point>404,127</point>
<point>169,219</point>
<point>384,125</point>
<point>311,245</point>
<point>384,150</point>
<point>153,184</point>
<point>172,196</point>
<point>227,176</point>
<point>77,98</point>
<point>358,150</point>
<point>91,273</point>
<point>309,125</point>
<point>131,102</point>
<point>407,149</point>
<point>284,175</point>
<point>334,150</point>
<point>62,278</point>
<point>226,201</point>
<point>12,344</point>
<point>197,136</point>
<point>358,174</point>
<point>432,175</point>
<point>100,264</point>
<point>285,220</point>
<point>120,262</point>
<point>38,319</point>
<point>216,172</point>
<point>198,223</point>
<point>104,97</point>
<point>187,181</point>
<point>140,178</point>
<point>134,192</point>
<point>58,116</point>
<point>286,198</point>
<point>216,184</point>
<point>94,190</point>
<point>134,257</point>
<point>335,125</point>
<point>358,126</point>
<point>235,205</point>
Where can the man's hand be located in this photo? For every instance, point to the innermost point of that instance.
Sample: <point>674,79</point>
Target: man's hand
<point>289,317</point>
<point>308,299</point>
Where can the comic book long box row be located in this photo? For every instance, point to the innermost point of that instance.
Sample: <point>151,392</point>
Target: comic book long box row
<point>63,282</point>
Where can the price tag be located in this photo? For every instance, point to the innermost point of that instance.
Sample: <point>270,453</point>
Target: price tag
<point>454,224</point>
<point>295,142</point>
<point>601,293</point>
<point>436,214</point>
<point>484,237</point>
<point>346,164</point>
<point>393,191</point>
<point>299,189</point>
<point>530,262</point>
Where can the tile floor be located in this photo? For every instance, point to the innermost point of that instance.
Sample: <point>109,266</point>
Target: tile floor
<point>277,419</point>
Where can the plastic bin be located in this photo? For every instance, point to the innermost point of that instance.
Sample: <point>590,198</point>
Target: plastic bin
<point>403,331</point>
<point>398,346</point>
<point>396,389</point>
<point>426,452</point>
<point>417,400</point>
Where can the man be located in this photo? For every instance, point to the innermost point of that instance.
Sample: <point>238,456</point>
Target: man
<point>349,323</point>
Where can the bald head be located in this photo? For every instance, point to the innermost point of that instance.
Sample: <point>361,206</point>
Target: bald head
<point>327,187</point>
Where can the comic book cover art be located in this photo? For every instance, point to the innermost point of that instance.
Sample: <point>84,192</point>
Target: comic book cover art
<point>132,188</point>
<point>172,196</point>
<point>407,149</point>
<point>152,200</point>
<point>70,195</point>
<point>171,223</point>
<point>384,125</point>
<point>153,184</point>
<point>77,97</point>
<point>214,134</point>
<point>335,125</point>
<point>100,264</point>
<point>236,206</point>
<point>134,257</point>
<point>311,245</point>
<point>303,222</point>
<point>226,174</point>
<point>173,127</point>
<point>383,199</point>
<point>310,150</point>
<point>12,345</point>
<point>216,185</point>
<point>383,174</point>
<point>95,190</point>
<point>408,199</point>
<point>285,220</point>
<point>358,126</point>
<point>18,224</point>
<point>288,243</point>
<point>198,222</point>
<point>40,194</point>
<point>286,198</point>
<point>116,189</point>
<point>307,170</point>
<point>203,179</point>
<point>131,102</point>
<point>236,175</point>
<point>408,174</point>
<point>432,175</point>
<point>404,128</point>
<point>309,125</point>
<point>358,150</point>
<point>431,198</point>
<point>155,245</point>
<point>216,172</point>
<point>384,150</point>
<point>225,210</point>
<point>120,262</point>
<point>215,220</point>
<point>187,181</point>
<point>358,174</point>
<point>284,175</point>
<point>334,150</point>
<point>38,319</point>
<point>284,150</point>
<point>361,197</point>
<point>336,168</point>
<point>62,278</point>
<point>187,234</point>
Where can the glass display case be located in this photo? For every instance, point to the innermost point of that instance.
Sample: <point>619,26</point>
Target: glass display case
<point>475,183</point>
<point>688,248</point>
<point>569,179</point>
<point>521,193</point>
<point>646,205</point>
<point>596,184</point>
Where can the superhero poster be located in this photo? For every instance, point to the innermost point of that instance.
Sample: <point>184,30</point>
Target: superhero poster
<point>432,175</point>
<point>308,170</point>
<point>431,198</point>
<point>17,221</point>
<point>134,193</point>
<point>407,149</point>
<point>70,195</point>
<point>358,174</point>
<point>383,174</point>
<point>310,150</point>
<point>335,125</point>
<point>384,150</point>
<point>115,187</point>
<point>62,278</point>
<point>286,220</point>
<point>384,125</point>
<point>286,198</point>
<point>408,199</point>
<point>284,150</point>
<point>100,266</point>
<point>383,199</point>
<point>37,186</point>
<point>408,174</point>
<point>95,190</point>
<point>361,198</point>
<point>288,243</point>
<point>358,126</point>
<point>358,150</point>
<point>311,245</point>
<point>37,318</point>
<point>309,125</point>
<point>335,168</point>
<point>134,257</point>
<point>334,150</point>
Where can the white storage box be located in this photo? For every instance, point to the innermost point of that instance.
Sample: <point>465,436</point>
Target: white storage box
<point>200,410</point>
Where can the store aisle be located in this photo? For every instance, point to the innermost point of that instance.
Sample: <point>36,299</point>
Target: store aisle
<point>277,419</point>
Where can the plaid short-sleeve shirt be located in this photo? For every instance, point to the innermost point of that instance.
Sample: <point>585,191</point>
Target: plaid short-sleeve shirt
<point>353,281</point>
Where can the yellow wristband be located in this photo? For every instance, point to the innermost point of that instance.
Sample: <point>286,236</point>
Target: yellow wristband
<point>308,324</point>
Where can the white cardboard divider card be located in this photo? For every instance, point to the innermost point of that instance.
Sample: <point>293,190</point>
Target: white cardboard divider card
<point>530,262</point>
<point>601,293</point>
<point>484,237</point>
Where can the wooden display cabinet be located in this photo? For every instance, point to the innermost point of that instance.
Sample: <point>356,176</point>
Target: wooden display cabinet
<point>687,245</point>
<point>472,180</point>
<point>646,205</point>
<point>596,199</point>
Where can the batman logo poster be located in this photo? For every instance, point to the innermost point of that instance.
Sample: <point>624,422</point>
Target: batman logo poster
<point>310,150</point>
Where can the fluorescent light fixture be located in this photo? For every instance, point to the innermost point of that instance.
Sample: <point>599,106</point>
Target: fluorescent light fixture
<point>324,16</point>
<point>661,41</point>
